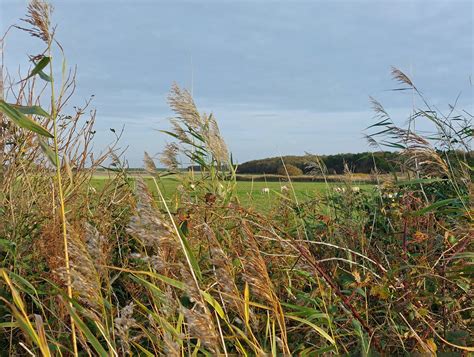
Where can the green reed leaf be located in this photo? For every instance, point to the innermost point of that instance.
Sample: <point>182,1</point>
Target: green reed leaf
<point>43,62</point>
<point>22,120</point>
<point>48,151</point>
<point>31,110</point>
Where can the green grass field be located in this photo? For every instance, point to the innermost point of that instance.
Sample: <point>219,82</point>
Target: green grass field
<point>250,194</point>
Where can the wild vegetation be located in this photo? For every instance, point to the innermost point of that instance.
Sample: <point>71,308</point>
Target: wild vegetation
<point>113,270</point>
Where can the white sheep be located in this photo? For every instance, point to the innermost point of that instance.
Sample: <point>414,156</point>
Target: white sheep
<point>356,189</point>
<point>284,188</point>
<point>266,190</point>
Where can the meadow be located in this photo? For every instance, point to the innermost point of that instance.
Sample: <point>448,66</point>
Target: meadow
<point>250,194</point>
<point>175,264</point>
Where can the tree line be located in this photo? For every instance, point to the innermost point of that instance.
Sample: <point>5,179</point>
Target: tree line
<point>365,162</point>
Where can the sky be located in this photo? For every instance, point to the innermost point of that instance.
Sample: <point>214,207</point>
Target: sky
<point>281,77</point>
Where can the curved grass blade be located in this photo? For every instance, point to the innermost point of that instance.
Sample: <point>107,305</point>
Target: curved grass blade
<point>192,257</point>
<point>318,329</point>
<point>87,332</point>
<point>43,62</point>
<point>48,151</point>
<point>436,206</point>
<point>31,110</point>
<point>22,120</point>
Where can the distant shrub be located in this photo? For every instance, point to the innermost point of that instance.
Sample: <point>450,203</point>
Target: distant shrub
<point>289,170</point>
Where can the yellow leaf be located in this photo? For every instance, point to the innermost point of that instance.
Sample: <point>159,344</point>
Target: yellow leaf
<point>380,291</point>
<point>431,345</point>
<point>356,276</point>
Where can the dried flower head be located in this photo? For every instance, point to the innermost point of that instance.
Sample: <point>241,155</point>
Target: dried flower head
<point>215,142</point>
<point>85,280</point>
<point>426,161</point>
<point>38,16</point>
<point>150,166</point>
<point>123,324</point>
<point>148,225</point>
<point>201,326</point>
<point>379,110</point>
<point>190,127</point>
<point>169,157</point>
<point>96,246</point>
<point>180,133</point>
<point>182,103</point>
<point>401,77</point>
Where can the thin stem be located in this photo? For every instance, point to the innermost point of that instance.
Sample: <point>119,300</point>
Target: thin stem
<point>61,200</point>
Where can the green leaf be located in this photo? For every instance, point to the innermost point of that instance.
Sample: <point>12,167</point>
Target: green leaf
<point>146,352</point>
<point>32,110</point>
<point>464,255</point>
<point>177,284</point>
<point>23,284</point>
<point>22,120</point>
<point>150,286</point>
<point>418,181</point>
<point>44,76</point>
<point>87,332</point>
<point>8,244</point>
<point>393,145</point>
<point>169,133</point>
<point>48,151</point>
<point>380,123</point>
<point>305,311</point>
<point>192,258</point>
<point>318,329</point>
<point>43,62</point>
<point>435,206</point>
<point>211,301</point>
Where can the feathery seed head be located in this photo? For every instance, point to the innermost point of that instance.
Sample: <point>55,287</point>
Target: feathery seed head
<point>169,157</point>
<point>150,166</point>
<point>38,16</point>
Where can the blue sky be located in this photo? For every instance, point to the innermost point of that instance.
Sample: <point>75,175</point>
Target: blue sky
<point>281,77</point>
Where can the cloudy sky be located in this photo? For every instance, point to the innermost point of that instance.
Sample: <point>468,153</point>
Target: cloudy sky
<point>281,77</point>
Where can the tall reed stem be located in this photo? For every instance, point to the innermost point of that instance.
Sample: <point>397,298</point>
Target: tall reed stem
<point>61,200</point>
